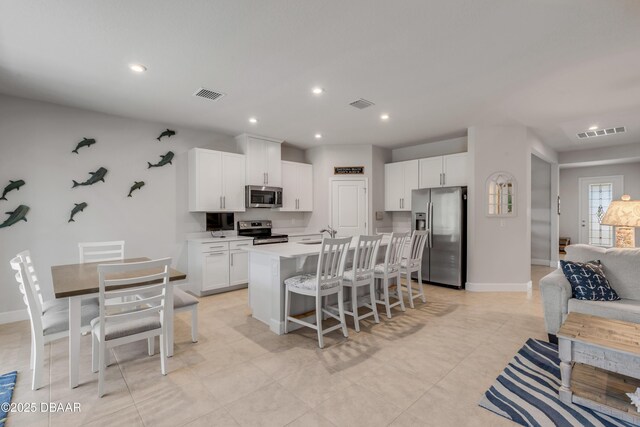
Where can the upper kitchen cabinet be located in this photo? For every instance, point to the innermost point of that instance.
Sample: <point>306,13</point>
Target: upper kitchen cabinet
<point>216,181</point>
<point>297,187</point>
<point>263,157</point>
<point>399,179</point>
<point>444,171</point>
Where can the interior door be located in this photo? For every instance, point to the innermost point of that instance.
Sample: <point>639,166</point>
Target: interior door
<point>233,178</point>
<point>430,172</point>
<point>595,195</point>
<point>349,207</point>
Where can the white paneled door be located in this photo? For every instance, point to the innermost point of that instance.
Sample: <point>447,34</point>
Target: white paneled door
<point>596,193</point>
<point>349,207</point>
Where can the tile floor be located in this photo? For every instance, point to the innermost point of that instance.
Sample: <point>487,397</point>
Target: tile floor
<point>428,366</point>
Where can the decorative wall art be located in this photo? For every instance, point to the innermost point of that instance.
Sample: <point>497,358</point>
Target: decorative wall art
<point>136,186</point>
<point>501,195</point>
<point>166,159</point>
<point>168,133</point>
<point>79,207</point>
<point>95,177</point>
<point>13,185</point>
<point>86,142</point>
<point>20,214</point>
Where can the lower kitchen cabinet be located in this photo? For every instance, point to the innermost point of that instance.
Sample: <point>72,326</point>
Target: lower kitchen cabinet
<point>216,266</point>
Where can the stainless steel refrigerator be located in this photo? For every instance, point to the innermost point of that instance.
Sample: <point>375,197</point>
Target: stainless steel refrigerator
<point>443,211</point>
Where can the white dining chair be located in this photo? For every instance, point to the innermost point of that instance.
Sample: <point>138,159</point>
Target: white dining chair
<point>121,321</point>
<point>101,251</point>
<point>49,322</point>
<point>114,251</point>
<point>361,275</point>
<point>412,263</point>
<point>390,269</point>
<point>325,282</point>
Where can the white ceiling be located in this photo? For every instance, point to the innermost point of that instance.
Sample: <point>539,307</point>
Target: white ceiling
<point>437,67</point>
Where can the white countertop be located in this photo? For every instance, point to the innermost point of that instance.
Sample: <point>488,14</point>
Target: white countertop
<point>235,237</point>
<point>295,249</point>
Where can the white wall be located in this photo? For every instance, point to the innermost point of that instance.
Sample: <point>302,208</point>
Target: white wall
<point>430,149</point>
<point>569,190</point>
<point>628,153</point>
<point>541,211</point>
<point>36,140</point>
<point>323,159</point>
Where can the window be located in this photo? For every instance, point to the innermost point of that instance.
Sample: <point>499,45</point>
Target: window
<point>600,196</point>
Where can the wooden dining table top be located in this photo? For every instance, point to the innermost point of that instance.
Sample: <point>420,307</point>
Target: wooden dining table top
<point>82,279</point>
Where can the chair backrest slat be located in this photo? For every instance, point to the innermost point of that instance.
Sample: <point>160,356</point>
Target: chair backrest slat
<point>366,254</point>
<point>333,255</point>
<point>395,248</point>
<point>416,246</point>
<point>29,296</point>
<point>112,306</point>
<point>32,278</point>
<point>101,251</point>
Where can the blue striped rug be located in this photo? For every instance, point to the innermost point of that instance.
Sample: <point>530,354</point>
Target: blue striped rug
<point>526,392</point>
<point>7,384</point>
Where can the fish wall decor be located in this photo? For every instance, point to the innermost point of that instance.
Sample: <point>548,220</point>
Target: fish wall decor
<point>20,214</point>
<point>136,186</point>
<point>95,177</point>
<point>86,142</point>
<point>168,133</point>
<point>13,185</point>
<point>164,160</point>
<point>79,207</point>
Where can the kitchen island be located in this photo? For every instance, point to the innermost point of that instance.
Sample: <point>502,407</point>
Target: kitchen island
<point>270,265</point>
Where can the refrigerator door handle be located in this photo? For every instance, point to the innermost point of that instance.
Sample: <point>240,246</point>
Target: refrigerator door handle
<point>430,224</point>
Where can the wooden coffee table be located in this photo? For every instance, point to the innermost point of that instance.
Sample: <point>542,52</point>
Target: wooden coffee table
<point>599,363</point>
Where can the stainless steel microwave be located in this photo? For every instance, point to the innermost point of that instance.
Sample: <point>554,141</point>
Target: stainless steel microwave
<point>257,196</point>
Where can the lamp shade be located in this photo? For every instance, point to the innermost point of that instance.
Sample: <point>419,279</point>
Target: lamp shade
<point>623,213</point>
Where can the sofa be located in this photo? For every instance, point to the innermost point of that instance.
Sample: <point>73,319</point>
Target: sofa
<point>622,269</point>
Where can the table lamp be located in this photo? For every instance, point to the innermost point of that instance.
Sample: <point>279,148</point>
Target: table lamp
<point>625,216</point>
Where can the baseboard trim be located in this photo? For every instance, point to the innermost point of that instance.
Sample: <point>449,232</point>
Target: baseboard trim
<point>539,261</point>
<point>498,287</point>
<point>14,316</point>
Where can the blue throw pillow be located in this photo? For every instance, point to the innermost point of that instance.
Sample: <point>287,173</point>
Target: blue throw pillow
<point>588,281</point>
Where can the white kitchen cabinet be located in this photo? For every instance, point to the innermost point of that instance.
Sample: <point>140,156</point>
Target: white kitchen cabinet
<point>215,270</point>
<point>216,181</point>
<point>444,171</point>
<point>263,160</point>
<point>217,266</point>
<point>297,187</point>
<point>238,267</point>
<point>400,179</point>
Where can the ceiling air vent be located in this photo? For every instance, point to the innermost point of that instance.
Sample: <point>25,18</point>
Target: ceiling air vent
<point>208,94</point>
<point>361,104</point>
<point>601,132</point>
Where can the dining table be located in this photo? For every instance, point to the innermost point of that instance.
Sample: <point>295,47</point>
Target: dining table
<point>80,281</point>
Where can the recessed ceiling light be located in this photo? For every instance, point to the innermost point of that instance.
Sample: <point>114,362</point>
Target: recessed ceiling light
<point>594,127</point>
<point>317,90</point>
<point>318,135</point>
<point>384,117</point>
<point>253,120</point>
<point>138,68</point>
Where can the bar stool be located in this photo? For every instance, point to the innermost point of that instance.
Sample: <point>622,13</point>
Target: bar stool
<point>390,269</point>
<point>361,274</point>
<point>413,263</point>
<point>327,281</point>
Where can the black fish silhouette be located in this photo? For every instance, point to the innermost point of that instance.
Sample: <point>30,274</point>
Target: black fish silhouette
<point>168,133</point>
<point>166,159</point>
<point>20,214</point>
<point>78,208</point>
<point>136,186</point>
<point>13,185</point>
<point>95,177</point>
<point>84,143</point>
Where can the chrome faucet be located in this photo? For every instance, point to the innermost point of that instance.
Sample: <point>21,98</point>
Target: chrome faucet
<point>331,231</point>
